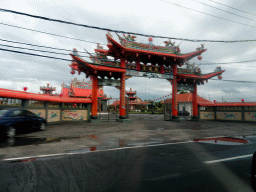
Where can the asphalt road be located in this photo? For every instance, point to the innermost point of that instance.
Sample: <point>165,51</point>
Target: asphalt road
<point>180,166</point>
<point>146,155</point>
<point>191,167</point>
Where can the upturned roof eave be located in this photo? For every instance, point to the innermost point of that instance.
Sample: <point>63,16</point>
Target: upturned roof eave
<point>182,57</point>
<point>97,67</point>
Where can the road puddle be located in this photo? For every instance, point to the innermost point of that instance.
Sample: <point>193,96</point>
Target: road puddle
<point>223,141</point>
<point>22,141</point>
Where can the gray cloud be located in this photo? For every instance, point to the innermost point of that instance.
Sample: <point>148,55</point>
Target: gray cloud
<point>157,18</point>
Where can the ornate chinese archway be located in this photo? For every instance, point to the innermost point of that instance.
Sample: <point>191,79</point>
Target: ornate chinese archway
<point>133,61</point>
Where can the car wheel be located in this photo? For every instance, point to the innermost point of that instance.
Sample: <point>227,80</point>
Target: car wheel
<point>11,132</point>
<point>42,127</point>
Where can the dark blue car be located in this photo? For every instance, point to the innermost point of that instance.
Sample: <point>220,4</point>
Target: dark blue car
<point>13,120</point>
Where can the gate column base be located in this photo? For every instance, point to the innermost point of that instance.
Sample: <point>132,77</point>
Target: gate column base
<point>94,117</point>
<point>95,120</point>
<point>195,118</point>
<point>124,120</point>
<point>178,119</point>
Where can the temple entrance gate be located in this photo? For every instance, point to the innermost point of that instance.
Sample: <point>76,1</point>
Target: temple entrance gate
<point>135,59</point>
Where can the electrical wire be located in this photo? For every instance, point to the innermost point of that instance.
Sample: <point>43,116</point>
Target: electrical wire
<point>224,10</point>
<point>32,54</point>
<point>118,31</point>
<point>208,14</point>
<point>228,63</point>
<point>50,33</point>
<point>221,63</point>
<point>9,41</point>
<point>34,49</point>
<point>207,63</point>
<point>50,57</point>
<point>233,8</point>
<point>39,50</point>
<point>235,81</point>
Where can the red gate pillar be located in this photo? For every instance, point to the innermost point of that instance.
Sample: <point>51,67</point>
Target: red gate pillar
<point>194,103</point>
<point>122,93</point>
<point>94,97</point>
<point>138,66</point>
<point>174,92</point>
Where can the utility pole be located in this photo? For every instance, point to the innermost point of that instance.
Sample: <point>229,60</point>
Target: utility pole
<point>222,98</point>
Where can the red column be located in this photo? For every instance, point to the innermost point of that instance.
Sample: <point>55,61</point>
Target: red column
<point>194,101</point>
<point>137,65</point>
<point>94,97</point>
<point>162,68</point>
<point>174,92</point>
<point>122,93</point>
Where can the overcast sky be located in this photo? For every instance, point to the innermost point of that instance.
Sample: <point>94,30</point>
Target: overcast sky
<point>153,17</point>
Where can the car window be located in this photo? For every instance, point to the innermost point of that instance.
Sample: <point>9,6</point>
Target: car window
<point>30,114</point>
<point>16,113</point>
<point>3,112</point>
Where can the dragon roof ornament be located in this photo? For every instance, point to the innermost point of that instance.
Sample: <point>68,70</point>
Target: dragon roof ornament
<point>129,41</point>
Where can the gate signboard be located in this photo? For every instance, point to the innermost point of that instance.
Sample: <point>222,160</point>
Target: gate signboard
<point>149,74</point>
<point>183,87</point>
<point>109,82</point>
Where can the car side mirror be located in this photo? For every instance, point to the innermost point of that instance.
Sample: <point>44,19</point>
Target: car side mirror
<point>253,171</point>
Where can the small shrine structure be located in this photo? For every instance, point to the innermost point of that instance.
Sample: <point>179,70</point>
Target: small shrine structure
<point>134,102</point>
<point>132,58</point>
<point>47,90</point>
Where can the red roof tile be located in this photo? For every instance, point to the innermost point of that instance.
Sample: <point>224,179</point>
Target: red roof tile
<point>40,97</point>
<point>226,104</point>
<point>187,98</point>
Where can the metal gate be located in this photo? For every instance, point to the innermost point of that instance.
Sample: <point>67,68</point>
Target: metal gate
<point>112,115</point>
<point>109,115</point>
<point>167,110</point>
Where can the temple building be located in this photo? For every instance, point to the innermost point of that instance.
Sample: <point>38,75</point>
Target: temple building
<point>133,102</point>
<point>185,100</point>
<point>83,89</point>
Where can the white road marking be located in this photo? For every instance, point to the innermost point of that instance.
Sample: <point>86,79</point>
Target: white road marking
<point>113,149</point>
<point>228,159</point>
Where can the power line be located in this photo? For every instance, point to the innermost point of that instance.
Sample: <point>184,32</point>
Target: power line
<point>50,57</point>
<point>9,41</point>
<point>61,49</point>
<point>41,50</point>
<point>89,56</point>
<point>224,10</point>
<point>50,33</point>
<point>220,63</point>
<point>33,49</point>
<point>208,14</point>
<point>228,63</point>
<point>235,81</point>
<point>32,54</point>
<point>233,8</point>
<point>118,31</point>
<point>206,63</point>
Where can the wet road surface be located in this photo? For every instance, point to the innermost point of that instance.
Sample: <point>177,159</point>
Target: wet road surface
<point>146,155</point>
<point>180,166</point>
